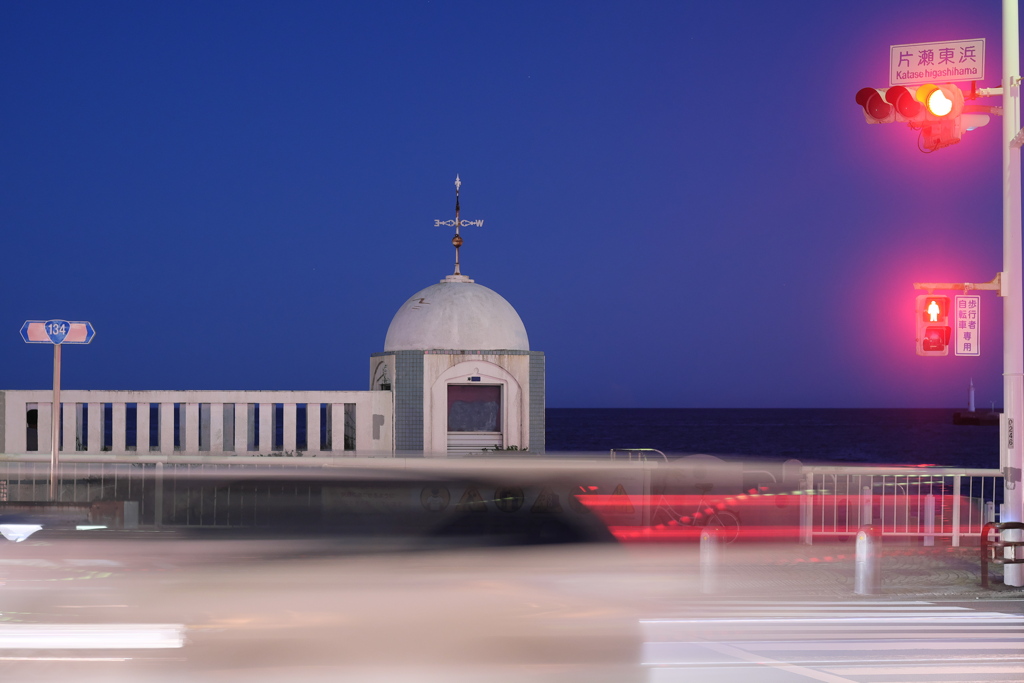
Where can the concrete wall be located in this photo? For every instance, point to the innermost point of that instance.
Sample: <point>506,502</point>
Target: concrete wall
<point>405,371</point>
<point>208,422</point>
<point>538,403</point>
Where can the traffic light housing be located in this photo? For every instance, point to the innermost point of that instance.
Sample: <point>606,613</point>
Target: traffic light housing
<point>889,105</point>
<point>933,109</point>
<point>933,330</point>
<point>943,105</point>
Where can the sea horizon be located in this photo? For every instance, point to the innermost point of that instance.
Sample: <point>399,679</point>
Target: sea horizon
<point>888,436</point>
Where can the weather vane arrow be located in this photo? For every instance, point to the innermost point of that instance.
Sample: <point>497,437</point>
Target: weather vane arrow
<point>457,223</point>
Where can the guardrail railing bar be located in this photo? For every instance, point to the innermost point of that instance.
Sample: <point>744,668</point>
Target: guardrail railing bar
<point>956,511</point>
<point>882,507</point>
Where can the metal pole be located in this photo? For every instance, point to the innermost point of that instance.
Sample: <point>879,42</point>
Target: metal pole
<point>929,520</point>
<point>708,561</point>
<point>55,423</point>
<point>866,503</point>
<point>957,497</point>
<point>457,240</point>
<point>807,510</point>
<point>1013,297</point>
<point>158,498</point>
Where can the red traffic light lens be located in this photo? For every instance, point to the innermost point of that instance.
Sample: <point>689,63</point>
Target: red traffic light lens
<point>904,101</point>
<point>935,338</point>
<point>873,104</point>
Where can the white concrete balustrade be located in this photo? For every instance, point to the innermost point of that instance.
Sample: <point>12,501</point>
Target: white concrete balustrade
<point>200,422</point>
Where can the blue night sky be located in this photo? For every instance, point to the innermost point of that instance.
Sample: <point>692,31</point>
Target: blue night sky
<point>681,199</point>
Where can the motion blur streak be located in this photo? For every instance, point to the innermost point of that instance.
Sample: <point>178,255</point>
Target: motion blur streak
<point>91,636</point>
<point>773,517</point>
<point>18,532</point>
<point>469,572</point>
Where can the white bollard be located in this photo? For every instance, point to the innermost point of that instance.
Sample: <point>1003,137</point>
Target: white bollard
<point>807,517</point>
<point>708,561</point>
<point>867,578</point>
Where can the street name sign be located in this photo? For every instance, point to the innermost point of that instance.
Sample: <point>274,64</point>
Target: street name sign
<point>967,325</point>
<point>57,332</point>
<point>944,62</point>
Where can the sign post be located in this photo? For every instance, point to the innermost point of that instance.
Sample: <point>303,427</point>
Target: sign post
<point>56,332</point>
<point>1012,460</point>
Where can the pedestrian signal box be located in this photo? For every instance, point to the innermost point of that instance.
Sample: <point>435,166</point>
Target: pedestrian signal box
<point>933,329</point>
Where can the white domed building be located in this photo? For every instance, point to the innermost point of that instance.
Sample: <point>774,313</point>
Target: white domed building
<point>458,361</point>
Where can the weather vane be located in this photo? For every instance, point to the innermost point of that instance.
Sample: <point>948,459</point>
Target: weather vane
<point>457,223</point>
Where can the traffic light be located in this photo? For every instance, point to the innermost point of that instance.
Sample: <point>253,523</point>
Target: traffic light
<point>934,110</point>
<point>943,105</point>
<point>933,331</point>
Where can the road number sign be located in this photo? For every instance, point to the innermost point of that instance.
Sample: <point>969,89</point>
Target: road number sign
<point>57,332</point>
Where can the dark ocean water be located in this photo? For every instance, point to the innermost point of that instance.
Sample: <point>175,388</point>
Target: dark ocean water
<point>868,436</point>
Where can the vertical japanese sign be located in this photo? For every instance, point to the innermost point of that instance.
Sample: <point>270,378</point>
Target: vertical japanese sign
<point>967,325</point>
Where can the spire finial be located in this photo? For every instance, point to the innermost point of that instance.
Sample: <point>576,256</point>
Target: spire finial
<point>458,223</point>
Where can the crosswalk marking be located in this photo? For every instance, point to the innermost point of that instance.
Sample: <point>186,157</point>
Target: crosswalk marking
<point>788,667</point>
<point>833,642</point>
<point>875,645</point>
<point>791,607</point>
<point>932,670</point>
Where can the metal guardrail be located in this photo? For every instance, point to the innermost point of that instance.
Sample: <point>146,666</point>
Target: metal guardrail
<point>990,548</point>
<point>153,485</point>
<point>926,503</point>
<point>834,501</point>
<point>175,491</point>
<point>641,454</point>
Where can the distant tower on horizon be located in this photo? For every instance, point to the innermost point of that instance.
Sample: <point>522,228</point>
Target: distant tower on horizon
<point>970,397</point>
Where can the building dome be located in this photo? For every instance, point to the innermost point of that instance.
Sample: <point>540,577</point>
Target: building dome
<point>458,314</point>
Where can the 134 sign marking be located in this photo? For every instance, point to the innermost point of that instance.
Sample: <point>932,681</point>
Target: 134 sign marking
<point>57,332</point>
